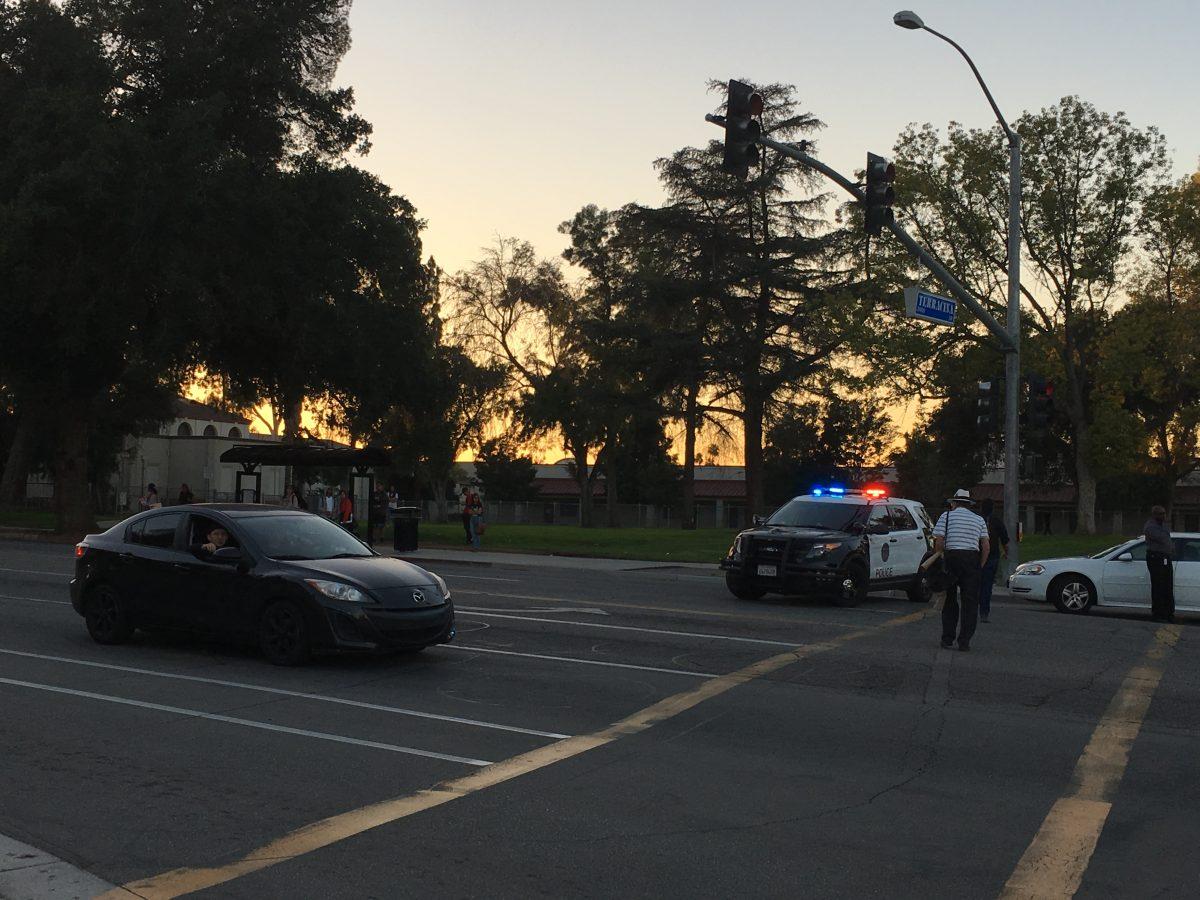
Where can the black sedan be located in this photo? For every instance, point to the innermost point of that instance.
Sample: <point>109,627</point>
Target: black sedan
<point>292,582</point>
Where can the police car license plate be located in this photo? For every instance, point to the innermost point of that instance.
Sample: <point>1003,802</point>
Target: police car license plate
<point>768,571</point>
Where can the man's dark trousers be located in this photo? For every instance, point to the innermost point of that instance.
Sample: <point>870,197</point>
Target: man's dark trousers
<point>962,581</point>
<point>1162,585</point>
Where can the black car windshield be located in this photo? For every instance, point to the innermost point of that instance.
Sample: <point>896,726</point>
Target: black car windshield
<point>301,537</point>
<point>801,513</point>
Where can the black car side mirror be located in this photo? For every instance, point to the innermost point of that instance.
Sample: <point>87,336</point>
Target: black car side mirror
<point>878,528</point>
<point>228,554</point>
<point>760,520</point>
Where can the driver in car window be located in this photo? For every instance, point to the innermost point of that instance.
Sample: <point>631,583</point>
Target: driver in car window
<point>218,537</point>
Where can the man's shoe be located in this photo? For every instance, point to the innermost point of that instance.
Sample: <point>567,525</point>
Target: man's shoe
<point>983,618</point>
<point>947,645</point>
<point>964,647</point>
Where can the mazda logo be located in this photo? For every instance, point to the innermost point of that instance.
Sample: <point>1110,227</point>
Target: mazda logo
<point>418,597</point>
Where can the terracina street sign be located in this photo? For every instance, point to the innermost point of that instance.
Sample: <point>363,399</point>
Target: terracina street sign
<point>920,304</point>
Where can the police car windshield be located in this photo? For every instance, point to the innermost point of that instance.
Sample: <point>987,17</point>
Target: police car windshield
<point>802,513</point>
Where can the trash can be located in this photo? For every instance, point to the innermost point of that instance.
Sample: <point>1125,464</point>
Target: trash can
<point>404,528</point>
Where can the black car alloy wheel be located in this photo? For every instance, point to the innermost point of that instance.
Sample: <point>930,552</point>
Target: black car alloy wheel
<point>106,618</point>
<point>283,635</point>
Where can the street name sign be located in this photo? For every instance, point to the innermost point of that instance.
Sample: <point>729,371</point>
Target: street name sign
<point>920,304</point>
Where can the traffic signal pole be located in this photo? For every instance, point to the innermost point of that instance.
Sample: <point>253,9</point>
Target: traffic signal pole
<point>930,262</point>
<point>1009,338</point>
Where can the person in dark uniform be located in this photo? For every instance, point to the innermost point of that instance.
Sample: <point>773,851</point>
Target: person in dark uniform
<point>1159,552</point>
<point>998,542</point>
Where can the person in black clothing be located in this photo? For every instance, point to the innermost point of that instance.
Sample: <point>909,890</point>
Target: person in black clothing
<point>1158,561</point>
<point>998,546</point>
<point>376,515</point>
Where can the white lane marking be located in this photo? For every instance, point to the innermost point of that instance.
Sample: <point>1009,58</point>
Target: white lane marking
<point>481,577</point>
<point>592,611</point>
<point>248,723</point>
<point>35,600</point>
<point>584,662</point>
<point>37,572</point>
<point>692,634</point>
<point>323,698</point>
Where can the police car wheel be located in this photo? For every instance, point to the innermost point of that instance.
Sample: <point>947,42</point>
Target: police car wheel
<point>852,589</point>
<point>1072,594</point>
<point>921,589</point>
<point>741,590</point>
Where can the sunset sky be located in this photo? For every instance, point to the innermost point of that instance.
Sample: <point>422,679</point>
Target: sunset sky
<point>505,118</point>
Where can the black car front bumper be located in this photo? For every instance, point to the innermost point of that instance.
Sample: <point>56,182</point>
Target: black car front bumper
<point>390,629</point>
<point>790,579</point>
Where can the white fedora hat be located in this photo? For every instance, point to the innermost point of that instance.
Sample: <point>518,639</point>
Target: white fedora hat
<point>962,495</point>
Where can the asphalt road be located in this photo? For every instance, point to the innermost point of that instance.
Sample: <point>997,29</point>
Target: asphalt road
<point>628,734</point>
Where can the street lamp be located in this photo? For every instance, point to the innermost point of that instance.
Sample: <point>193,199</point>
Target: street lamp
<point>1012,366</point>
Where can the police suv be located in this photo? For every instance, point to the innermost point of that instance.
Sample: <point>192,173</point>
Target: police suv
<point>834,541</point>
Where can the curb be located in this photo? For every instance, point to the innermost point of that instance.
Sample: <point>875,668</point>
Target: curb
<point>26,871</point>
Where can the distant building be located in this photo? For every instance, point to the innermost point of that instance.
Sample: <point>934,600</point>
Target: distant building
<point>187,450</point>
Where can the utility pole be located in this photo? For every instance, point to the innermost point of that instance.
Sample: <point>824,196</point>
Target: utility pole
<point>1012,363</point>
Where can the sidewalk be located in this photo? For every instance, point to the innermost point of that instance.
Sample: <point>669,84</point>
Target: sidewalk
<point>544,561</point>
<point>27,872</point>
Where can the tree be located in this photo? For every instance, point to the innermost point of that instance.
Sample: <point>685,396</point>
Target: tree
<point>515,310</point>
<point>503,474</point>
<point>778,323</point>
<point>121,119</point>
<point>1150,355</point>
<point>1086,175</point>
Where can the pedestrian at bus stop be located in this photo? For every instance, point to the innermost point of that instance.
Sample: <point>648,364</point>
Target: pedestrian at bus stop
<point>962,537</point>
<point>998,544</point>
<point>1158,560</point>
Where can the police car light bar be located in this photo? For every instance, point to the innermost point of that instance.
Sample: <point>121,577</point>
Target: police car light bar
<point>875,492</point>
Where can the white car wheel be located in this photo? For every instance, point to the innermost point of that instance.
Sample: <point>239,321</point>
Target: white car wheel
<point>1072,594</point>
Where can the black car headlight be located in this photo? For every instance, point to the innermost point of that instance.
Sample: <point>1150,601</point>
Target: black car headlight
<point>819,551</point>
<point>441,583</point>
<point>338,590</point>
<point>735,551</point>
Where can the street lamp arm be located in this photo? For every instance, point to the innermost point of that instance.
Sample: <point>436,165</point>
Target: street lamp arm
<point>1013,139</point>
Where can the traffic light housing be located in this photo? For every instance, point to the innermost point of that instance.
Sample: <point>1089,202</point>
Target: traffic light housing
<point>880,194</point>
<point>743,106</point>
<point>989,406</point>
<point>1041,404</point>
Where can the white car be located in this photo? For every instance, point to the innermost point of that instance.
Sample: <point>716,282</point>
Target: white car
<point>1115,577</point>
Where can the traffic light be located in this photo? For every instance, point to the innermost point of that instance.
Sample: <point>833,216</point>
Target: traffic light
<point>1041,403</point>
<point>881,174</point>
<point>989,406</point>
<point>743,106</point>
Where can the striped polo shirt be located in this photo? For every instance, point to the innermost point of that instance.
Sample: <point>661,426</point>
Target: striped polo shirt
<point>962,529</point>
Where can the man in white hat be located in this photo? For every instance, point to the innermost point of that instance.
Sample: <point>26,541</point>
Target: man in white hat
<point>961,536</point>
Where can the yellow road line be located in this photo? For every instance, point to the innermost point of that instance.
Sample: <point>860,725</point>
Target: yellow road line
<point>348,824</point>
<point>1054,863</point>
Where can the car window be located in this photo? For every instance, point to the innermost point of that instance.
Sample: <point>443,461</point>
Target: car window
<point>199,528</point>
<point>1187,549</point>
<point>300,537</point>
<point>880,515</point>
<point>923,515</point>
<point>902,519</point>
<point>133,534</point>
<point>159,531</point>
<point>803,513</point>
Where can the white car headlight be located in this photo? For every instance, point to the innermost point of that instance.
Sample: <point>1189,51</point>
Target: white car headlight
<point>338,590</point>
<point>1029,569</point>
<point>441,583</point>
<point>735,552</point>
<point>818,550</point>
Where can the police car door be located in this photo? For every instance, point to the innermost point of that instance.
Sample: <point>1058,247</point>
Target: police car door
<point>907,541</point>
<point>882,566</point>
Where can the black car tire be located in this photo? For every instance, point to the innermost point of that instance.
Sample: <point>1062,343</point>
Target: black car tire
<point>1072,594</point>
<point>921,589</point>
<point>741,590</point>
<point>283,634</point>
<point>852,590</point>
<point>106,616</point>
